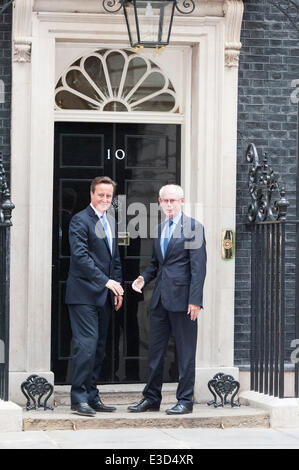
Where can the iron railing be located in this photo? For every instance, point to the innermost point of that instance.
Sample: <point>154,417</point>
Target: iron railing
<point>269,228</point>
<point>269,351</point>
<point>6,208</point>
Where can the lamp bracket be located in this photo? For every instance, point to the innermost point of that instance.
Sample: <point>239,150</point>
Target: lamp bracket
<point>113,6</point>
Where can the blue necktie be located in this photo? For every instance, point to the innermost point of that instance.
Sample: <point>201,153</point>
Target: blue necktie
<point>167,236</point>
<point>105,227</point>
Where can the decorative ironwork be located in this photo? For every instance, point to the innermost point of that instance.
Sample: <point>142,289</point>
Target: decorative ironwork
<point>6,206</point>
<point>223,385</point>
<point>290,8</point>
<point>269,228</point>
<point>112,6</point>
<point>37,386</point>
<point>262,182</point>
<point>189,6</point>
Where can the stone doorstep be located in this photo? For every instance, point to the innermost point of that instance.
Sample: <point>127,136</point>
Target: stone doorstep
<point>122,395</point>
<point>283,412</point>
<point>62,418</point>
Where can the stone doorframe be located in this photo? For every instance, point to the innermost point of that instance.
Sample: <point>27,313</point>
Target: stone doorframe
<point>209,175</point>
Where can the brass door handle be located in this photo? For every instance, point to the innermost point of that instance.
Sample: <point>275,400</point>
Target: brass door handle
<point>123,239</point>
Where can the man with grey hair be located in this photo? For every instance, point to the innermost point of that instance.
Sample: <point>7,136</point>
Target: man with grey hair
<point>179,265</point>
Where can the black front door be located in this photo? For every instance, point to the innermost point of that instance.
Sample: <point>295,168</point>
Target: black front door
<point>140,158</point>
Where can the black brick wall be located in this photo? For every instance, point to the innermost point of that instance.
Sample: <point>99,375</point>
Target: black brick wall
<point>5,77</point>
<point>269,62</point>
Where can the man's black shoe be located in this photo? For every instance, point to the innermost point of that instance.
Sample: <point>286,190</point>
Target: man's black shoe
<point>100,407</point>
<point>143,405</point>
<point>83,409</point>
<point>179,410</point>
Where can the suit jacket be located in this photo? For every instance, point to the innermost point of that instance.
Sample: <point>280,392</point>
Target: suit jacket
<point>92,264</point>
<point>181,274</point>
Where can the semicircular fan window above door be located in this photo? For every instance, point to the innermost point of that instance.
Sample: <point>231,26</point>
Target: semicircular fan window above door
<point>115,80</point>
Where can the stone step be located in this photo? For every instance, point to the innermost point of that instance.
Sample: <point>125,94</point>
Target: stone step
<point>62,418</point>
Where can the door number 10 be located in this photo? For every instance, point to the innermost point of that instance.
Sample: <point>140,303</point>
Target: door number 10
<point>119,154</point>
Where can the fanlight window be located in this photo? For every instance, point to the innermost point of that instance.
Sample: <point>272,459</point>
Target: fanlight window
<point>115,80</point>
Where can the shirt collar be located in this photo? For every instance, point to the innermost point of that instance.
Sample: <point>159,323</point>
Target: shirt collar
<point>176,219</point>
<point>97,212</point>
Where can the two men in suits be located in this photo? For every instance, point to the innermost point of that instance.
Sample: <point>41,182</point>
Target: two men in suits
<point>179,265</point>
<point>93,290</point>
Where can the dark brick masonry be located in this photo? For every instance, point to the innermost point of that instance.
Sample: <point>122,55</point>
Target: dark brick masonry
<point>269,62</point>
<point>5,81</point>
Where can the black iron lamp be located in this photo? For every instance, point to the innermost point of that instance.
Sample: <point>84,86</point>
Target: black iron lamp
<point>149,22</point>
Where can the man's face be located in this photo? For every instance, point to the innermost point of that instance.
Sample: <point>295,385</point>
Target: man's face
<point>102,197</point>
<point>170,203</point>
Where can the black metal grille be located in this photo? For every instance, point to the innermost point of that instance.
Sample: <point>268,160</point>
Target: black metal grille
<point>270,354</point>
<point>268,308</point>
<point>270,349</point>
<point>4,320</point>
<point>6,208</point>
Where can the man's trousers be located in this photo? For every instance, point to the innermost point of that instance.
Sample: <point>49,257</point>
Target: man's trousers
<point>89,325</point>
<point>184,330</point>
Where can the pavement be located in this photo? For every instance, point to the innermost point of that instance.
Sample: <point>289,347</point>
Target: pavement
<point>127,439</point>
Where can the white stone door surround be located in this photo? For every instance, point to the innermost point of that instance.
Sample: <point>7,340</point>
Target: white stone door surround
<point>208,175</point>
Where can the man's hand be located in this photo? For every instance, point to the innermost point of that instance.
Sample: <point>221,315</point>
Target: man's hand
<point>193,311</point>
<point>115,287</point>
<point>138,284</point>
<point>118,301</point>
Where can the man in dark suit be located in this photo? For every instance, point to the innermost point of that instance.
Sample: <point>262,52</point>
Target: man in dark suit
<point>179,264</point>
<point>93,288</point>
